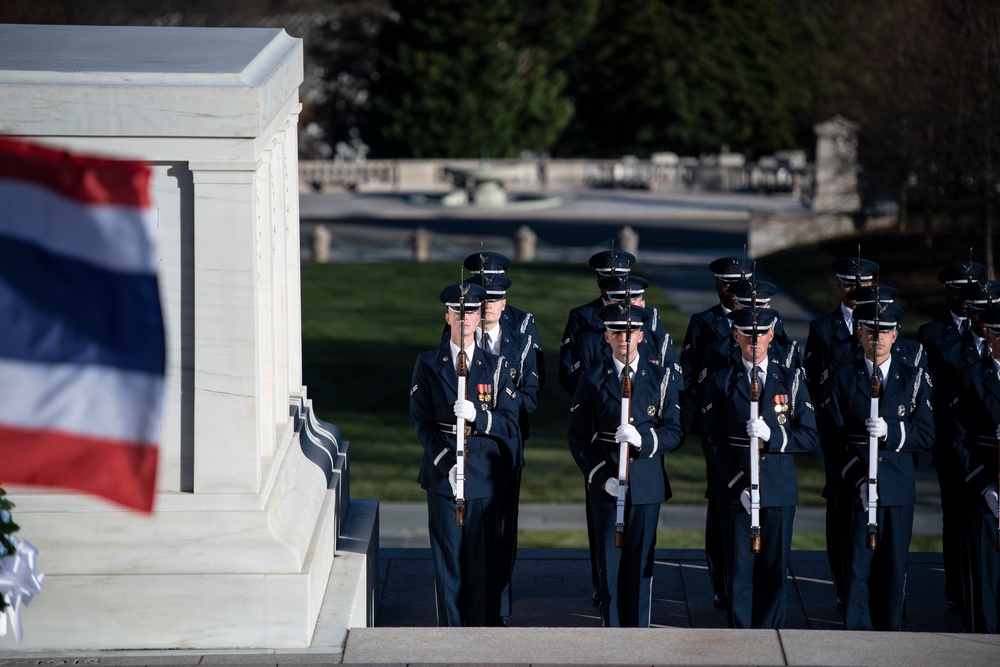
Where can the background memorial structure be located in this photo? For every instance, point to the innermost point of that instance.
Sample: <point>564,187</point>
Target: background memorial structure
<point>253,541</point>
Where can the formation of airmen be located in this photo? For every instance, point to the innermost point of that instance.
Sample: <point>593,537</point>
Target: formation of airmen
<point>865,399</point>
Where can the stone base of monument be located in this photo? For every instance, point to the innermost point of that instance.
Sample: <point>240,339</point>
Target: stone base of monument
<point>293,566</point>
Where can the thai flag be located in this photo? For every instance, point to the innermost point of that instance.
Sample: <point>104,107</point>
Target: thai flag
<point>81,330</point>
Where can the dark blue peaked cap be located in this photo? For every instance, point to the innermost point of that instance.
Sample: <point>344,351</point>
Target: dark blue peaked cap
<point>451,296</point>
<point>612,262</point>
<point>731,268</point>
<point>743,290</point>
<point>495,285</point>
<point>623,287</point>
<point>866,294</point>
<point>980,293</point>
<point>486,262</point>
<point>743,319</point>
<point>619,316</point>
<point>889,315</point>
<point>957,274</point>
<point>854,269</point>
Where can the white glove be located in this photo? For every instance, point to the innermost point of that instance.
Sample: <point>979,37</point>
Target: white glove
<point>998,431</point>
<point>453,480</point>
<point>877,428</point>
<point>611,487</point>
<point>465,410</point>
<point>628,433</point>
<point>745,499</point>
<point>757,428</point>
<point>864,494</point>
<point>990,496</point>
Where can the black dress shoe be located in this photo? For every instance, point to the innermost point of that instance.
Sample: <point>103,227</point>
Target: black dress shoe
<point>840,603</point>
<point>719,602</point>
<point>595,599</point>
<point>499,622</point>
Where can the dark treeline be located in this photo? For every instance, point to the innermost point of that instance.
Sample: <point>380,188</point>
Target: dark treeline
<point>604,78</point>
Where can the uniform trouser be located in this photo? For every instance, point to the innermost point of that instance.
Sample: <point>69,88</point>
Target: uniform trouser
<point>508,541</point>
<point>465,560</point>
<point>595,571</point>
<point>953,541</point>
<point>626,572</point>
<point>876,578</point>
<point>838,531</point>
<point>984,562</point>
<point>756,583</point>
<point>715,554</point>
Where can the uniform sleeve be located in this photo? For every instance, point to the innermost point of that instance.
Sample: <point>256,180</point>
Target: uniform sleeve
<point>438,449</point>
<point>691,355</point>
<point>567,348</point>
<point>589,457</point>
<point>912,431</point>
<point>531,381</point>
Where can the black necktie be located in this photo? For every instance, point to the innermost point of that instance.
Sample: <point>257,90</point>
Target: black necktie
<point>881,380</point>
<point>982,348</point>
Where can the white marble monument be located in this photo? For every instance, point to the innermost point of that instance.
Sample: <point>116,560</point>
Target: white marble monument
<point>242,547</point>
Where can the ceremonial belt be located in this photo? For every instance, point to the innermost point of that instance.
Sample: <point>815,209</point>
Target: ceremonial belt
<point>451,429</point>
<point>605,436</point>
<point>857,440</point>
<point>737,441</point>
<point>983,440</point>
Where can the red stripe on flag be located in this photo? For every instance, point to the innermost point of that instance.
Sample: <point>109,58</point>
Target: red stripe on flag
<point>122,472</point>
<point>84,178</point>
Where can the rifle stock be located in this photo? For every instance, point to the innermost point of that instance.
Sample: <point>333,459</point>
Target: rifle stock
<point>624,449</point>
<point>872,507</point>
<point>460,423</point>
<point>754,441</point>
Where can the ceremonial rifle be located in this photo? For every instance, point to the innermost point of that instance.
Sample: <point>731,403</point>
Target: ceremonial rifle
<point>876,388</point>
<point>754,441</point>
<point>624,449</point>
<point>460,422</point>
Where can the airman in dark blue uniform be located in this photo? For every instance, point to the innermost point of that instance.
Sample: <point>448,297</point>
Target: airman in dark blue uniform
<point>786,425</point>
<point>938,337</point>
<point>703,328</point>
<point>832,344</point>
<point>657,345</point>
<point>874,578</point>
<point>581,320</point>
<point>975,414</point>
<point>585,318</point>
<point>466,564</point>
<point>651,428</point>
<point>498,339</point>
<point>514,319</point>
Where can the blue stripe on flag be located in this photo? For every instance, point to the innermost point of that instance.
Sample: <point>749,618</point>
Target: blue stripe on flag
<point>58,310</point>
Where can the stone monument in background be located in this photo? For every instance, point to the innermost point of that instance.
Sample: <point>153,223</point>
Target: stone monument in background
<point>252,493</point>
<point>836,166</point>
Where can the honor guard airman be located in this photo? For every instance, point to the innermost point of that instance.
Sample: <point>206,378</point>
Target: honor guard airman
<point>938,337</point>
<point>625,491</point>
<point>875,455</point>
<point>785,424</point>
<point>975,432</point>
<point>703,328</point>
<point>470,441</point>
<point>497,338</point>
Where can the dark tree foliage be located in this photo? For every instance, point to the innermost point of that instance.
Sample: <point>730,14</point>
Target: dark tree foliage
<point>689,77</point>
<point>465,79</point>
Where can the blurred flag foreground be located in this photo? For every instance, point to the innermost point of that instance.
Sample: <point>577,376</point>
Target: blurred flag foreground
<point>81,330</point>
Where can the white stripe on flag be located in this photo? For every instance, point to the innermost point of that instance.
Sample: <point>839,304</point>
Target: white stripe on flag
<point>118,238</point>
<point>97,401</point>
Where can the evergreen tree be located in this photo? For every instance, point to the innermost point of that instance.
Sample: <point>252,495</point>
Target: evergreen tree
<point>461,78</point>
<point>7,529</point>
